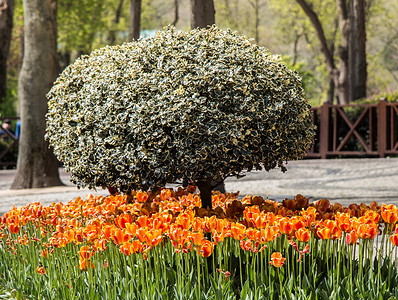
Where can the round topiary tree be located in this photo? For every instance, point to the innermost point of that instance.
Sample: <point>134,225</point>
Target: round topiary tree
<point>180,106</point>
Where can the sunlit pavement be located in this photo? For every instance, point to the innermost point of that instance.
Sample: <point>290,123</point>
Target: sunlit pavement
<point>339,180</point>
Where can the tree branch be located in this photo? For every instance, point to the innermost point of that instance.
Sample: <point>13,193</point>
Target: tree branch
<point>320,33</point>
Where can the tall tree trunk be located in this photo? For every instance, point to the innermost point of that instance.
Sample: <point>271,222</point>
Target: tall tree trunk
<point>339,75</point>
<point>342,79</point>
<point>256,6</point>
<point>202,13</point>
<point>176,14</point>
<point>135,19</point>
<point>37,166</point>
<point>6,22</point>
<point>357,50</point>
<point>116,20</point>
<point>330,91</point>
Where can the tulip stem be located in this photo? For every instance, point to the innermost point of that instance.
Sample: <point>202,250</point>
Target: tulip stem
<point>280,284</point>
<point>198,270</point>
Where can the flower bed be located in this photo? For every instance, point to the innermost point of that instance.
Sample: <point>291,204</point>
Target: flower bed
<point>165,246</point>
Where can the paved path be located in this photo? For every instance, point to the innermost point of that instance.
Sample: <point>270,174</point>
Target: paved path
<point>340,180</point>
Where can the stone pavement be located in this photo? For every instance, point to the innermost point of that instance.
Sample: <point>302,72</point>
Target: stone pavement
<point>339,180</point>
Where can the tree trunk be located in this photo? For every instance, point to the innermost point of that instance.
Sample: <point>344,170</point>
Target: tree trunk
<point>37,166</point>
<point>256,6</point>
<point>135,19</point>
<point>340,75</point>
<point>205,192</point>
<point>176,14</point>
<point>357,50</point>
<point>116,20</point>
<point>202,13</point>
<point>6,22</point>
<point>330,92</point>
<point>342,79</point>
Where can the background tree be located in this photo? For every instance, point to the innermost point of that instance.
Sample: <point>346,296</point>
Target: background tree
<point>135,19</point>
<point>257,5</point>
<point>349,75</point>
<point>357,49</point>
<point>37,166</point>
<point>6,22</point>
<point>202,13</point>
<point>115,23</point>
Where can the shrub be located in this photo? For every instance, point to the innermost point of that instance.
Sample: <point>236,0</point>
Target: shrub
<point>190,106</point>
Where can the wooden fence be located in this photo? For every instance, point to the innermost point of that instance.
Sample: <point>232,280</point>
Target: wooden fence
<point>355,130</point>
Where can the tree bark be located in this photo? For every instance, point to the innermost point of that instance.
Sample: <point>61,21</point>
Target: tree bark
<point>37,166</point>
<point>6,23</point>
<point>256,6</point>
<point>116,20</point>
<point>342,80</point>
<point>357,50</point>
<point>205,192</point>
<point>202,13</point>
<point>135,19</point>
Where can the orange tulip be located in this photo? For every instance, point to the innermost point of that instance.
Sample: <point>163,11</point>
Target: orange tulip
<point>99,245</point>
<point>238,231</point>
<point>351,238</point>
<point>131,228</point>
<point>394,239</point>
<point>151,237</point>
<point>253,234</point>
<point>372,215</point>
<point>277,260</point>
<point>141,196</point>
<point>126,248</point>
<point>40,269</point>
<point>206,248</point>
<point>85,253</point>
<point>119,236</point>
<point>218,237</point>
<point>285,226</point>
<point>269,234</point>
<point>324,233</point>
<point>185,219</point>
<point>343,221</point>
<point>298,223</point>
<point>136,247</point>
<point>196,238</point>
<point>122,220</point>
<point>389,216</point>
<point>14,228</point>
<point>85,263</point>
<point>142,221</point>
<point>44,253</point>
<point>302,252</point>
<point>303,235</point>
<point>309,215</point>
<point>367,231</point>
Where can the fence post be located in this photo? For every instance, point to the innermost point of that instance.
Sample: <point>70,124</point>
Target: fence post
<point>324,130</point>
<point>382,127</point>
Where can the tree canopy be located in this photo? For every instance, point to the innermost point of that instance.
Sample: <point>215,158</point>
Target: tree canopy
<point>192,106</point>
